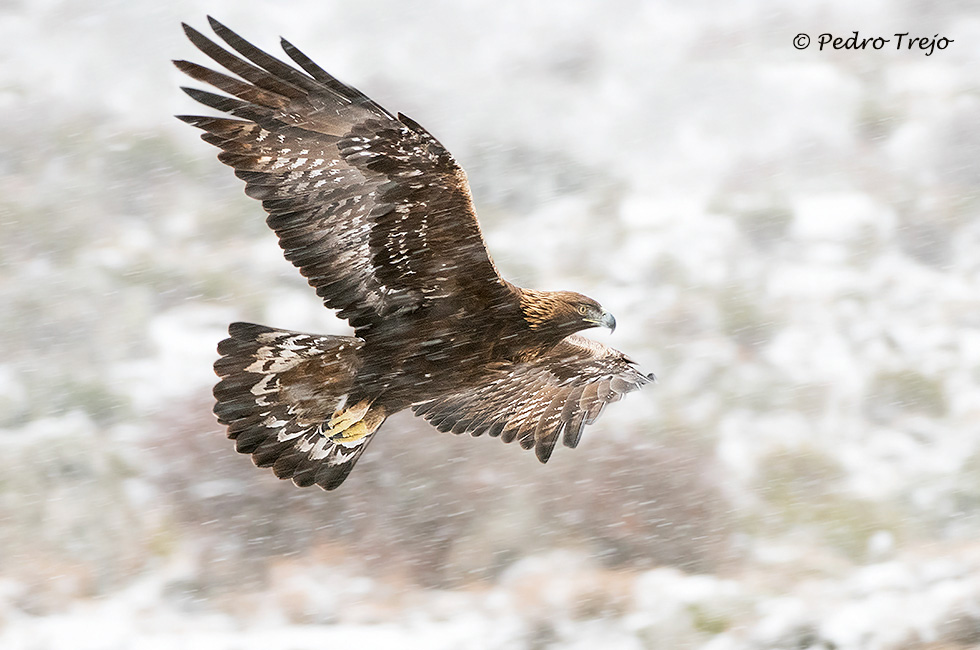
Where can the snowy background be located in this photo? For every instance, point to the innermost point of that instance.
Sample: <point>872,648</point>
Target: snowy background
<point>789,239</point>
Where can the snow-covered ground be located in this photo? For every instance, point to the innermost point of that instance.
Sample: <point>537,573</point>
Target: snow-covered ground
<point>554,600</point>
<point>790,240</point>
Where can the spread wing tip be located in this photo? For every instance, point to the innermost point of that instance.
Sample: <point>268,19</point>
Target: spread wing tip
<point>199,121</point>
<point>542,402</point>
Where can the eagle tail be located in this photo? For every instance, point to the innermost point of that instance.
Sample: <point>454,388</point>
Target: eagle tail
<point>277,394</point>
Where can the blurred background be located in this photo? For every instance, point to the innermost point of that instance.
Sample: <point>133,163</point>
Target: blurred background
<point>789,239</point>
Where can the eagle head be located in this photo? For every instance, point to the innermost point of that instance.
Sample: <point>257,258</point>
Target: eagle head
<point>563,312</point>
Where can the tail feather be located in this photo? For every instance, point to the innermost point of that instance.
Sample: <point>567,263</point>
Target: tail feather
<point>277,391</point>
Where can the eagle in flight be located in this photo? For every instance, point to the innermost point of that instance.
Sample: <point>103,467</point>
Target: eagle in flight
<point>378,217</point>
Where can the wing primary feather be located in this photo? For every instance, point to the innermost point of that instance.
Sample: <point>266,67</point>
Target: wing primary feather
<point>603,394</point>
<point>291,85</point>
<point>571,403</point>
<point>620,385</point>
<point>307,63</point>
<point>282,71</point>
<point>573,431</point>
<point>208,123</point>
<point>546,445</point>
<point>215,101</point>
<point>572,414</point>
<point>595,411</point>
<point>549,426</point>
<point>242,90</point>
<point>589,395</point>
<point>339,89</point>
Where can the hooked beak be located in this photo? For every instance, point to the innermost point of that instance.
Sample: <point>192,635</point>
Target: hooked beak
<point>608,320</point>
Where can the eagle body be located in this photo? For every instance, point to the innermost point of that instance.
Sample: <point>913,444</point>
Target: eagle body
<point>377,215</point>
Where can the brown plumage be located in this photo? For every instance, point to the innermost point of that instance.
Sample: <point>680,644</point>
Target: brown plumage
<point>378,217</point>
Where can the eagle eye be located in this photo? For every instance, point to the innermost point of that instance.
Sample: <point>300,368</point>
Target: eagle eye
<point>584,310</point>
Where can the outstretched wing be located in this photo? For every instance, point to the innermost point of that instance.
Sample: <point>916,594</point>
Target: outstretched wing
<point>535,402</point>
<point>370,207</point>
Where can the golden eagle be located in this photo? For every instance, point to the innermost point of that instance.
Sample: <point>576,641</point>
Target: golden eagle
<point>378,217</point>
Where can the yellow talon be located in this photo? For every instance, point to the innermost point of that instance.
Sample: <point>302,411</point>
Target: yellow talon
<point>354,429</point>
<point>351,434</point>
<point>347,417</point>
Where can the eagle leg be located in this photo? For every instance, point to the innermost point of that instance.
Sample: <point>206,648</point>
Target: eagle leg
<point>346,416</point>
<point>356,422</point>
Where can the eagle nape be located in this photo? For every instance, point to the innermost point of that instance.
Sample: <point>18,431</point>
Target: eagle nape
<point>378,217</point>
